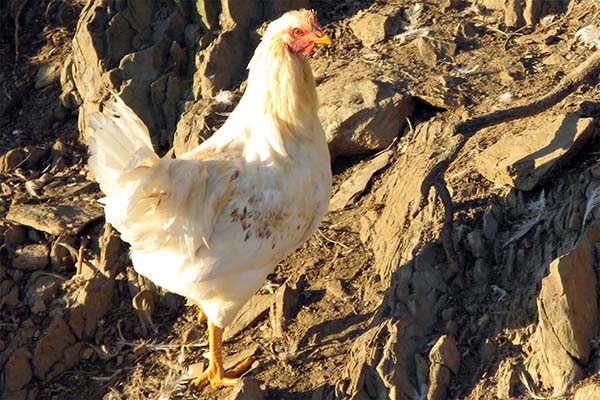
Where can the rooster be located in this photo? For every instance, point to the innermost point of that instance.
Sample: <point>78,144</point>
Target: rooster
<point>213,223</point>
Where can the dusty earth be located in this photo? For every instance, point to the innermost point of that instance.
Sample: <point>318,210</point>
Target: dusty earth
<point>370,307</point>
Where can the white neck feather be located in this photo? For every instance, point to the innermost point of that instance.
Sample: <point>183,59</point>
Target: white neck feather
<point>279,106</point>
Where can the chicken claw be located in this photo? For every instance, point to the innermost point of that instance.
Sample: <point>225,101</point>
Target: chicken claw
<point>215,374</point>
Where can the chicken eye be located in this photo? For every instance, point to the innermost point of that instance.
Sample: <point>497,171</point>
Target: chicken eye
<point>298,32</point>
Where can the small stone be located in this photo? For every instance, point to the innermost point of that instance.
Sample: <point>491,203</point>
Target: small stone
<point>335,288</point>
<point>476,243</point>
<point>18,370</point>
<point>48,74</point>
<point>451,328</point>
<point>481,272</point>
<point>448,314</point>
<point>513,14</point>
<point>350,190</point>
<point>490,225</point>
<point>12,159</point>
<point>87,353</point>
<point>14,236</point>
<point>72,355</point>
<point>533,11</point>
<point>246,389</point>
<point>439,380</point>
<point>434,51</point>
<point>445,352</point>
<point>372,28</point>
<point>191,335</point>
<point>49,350</point>
<point>250,313</point>
<point>31,258</point>
<point>12,298</point>
<point>38,307</point>
<point>18,275</point>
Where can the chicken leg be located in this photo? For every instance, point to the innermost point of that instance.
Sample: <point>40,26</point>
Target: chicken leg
<point>215,374</point>
<point>201,315</point>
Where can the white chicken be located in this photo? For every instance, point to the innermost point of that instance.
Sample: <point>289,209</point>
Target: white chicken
<point>212,224</point>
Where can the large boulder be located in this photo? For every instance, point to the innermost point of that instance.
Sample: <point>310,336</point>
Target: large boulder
<point>361,116</point>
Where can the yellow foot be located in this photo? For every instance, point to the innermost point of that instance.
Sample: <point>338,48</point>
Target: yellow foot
<point>224,379</point>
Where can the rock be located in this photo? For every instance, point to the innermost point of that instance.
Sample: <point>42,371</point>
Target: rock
<point>481,272</point>
<point>31,257</point>
<point>590,391</point>
<point>248,353</point>
<point>11,298</point>
<point>55,219</point>
<point>94,300</point>
<point>513,14</point>
<point>284,308</point>
<point>252,311</point>
<point>335,288</point>
<point>118,38</point>
<point>47,75</point>
<point>508,380</point>
<point>445,352</point>
<point>493,4</point>
<point>372,28</point>
<point>222,62</point>
<point>524,155</point>
<point>111,252</point>
<point>19,395</point>
<point>12,159</point>
<point>439,380</point>
<point>41,288</point>
<point>476,243</point>
<point>567,317</point>
<point>444,358</point>
<point>18,370</point>
<point>246,14</point>
<point>191,335</point>
<point>208,11</point>
<point>361,116</point>
<point>355,185</point>
<point>14,236</point>
<point>246,389</point>
<point>145,65</point>
<point>533,11</point>
<point>48,355</point>
<point>490,225</point>
<point>434,51</point>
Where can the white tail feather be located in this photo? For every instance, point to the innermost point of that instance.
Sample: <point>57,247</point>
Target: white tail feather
<point>119,143</point>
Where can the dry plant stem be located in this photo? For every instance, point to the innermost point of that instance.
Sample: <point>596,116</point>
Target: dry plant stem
<point>466,129</point>
<point>446,235</point>
<point>17,27</point>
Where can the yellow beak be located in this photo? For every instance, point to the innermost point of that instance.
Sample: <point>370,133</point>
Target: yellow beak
<point>325,39</point>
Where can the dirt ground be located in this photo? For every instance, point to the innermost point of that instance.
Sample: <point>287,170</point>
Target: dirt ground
<point>340,288</point>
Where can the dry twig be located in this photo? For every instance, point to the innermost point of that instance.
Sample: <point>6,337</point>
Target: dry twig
<point>17,27</point>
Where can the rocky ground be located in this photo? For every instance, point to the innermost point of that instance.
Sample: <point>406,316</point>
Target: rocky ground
<point>373,306</point>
